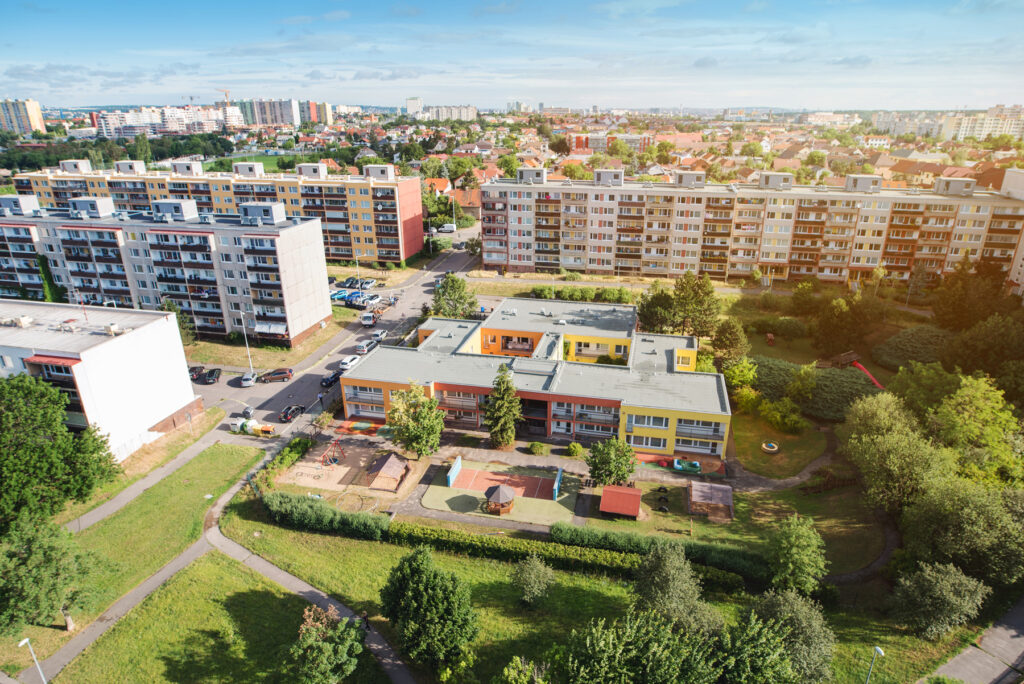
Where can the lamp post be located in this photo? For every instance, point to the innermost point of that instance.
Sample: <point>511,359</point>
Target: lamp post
<point>26,642</point>
<point>878,652</point>
<point>246,338</point>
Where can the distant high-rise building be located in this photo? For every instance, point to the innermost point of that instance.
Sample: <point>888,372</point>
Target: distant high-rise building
<point>540,106</point>
<point>451,113</point>
<point>161,120</point>
<point>998,120</point>
<point>413,105</point>
<point>271,112</point>
<point>21,116</point>
<point>325,113</point>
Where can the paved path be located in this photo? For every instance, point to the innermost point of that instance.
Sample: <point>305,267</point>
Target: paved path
<point>997,657</point>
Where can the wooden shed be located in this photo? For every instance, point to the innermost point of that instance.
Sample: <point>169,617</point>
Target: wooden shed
<point>387,472</point>
<point>500,499</point>
<point>712,500</point>
<point>618,500</point>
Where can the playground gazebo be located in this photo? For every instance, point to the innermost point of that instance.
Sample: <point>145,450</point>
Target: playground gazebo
<point>500,499</point>
<point>387,472</point>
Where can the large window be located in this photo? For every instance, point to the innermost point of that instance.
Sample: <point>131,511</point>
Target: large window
<point>659,422</point>
<point>646,442</point>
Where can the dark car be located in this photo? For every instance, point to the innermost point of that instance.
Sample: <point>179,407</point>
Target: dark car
<point>277,375</point>
<point>331,380</point>
<point>211,376</point>
<point>291,413</point>
<point>350,282</point>
<point>195,372</point>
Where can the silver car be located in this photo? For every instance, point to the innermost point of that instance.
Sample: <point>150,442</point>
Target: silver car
<point>249,379</point>
<point>349,362</point>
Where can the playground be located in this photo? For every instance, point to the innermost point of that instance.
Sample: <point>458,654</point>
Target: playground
<point>538,500</point>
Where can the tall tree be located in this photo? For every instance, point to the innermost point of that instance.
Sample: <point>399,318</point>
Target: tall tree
<point>937,597</point>
<point>970,294</point>
<point>504,409</point>
<point>141,149</point>
<point>508,163</point>
<point>923,386</point>
<point>186,327</point>
<point>430,611</point>
<point>665,583</point>
<point>656,310</point>
<point>415,420</point>
<point>897,466</point>
<point>730,342</point>
<point>327,650</point>
<point>41,573</point>
<point>986,345</point>
<point>611,461</point>
<point>452,299</point>
<point>754,652</point>
<point>796,555</point>
<point>809,641</point>
<point>696,304</point>
<point>42,465</point>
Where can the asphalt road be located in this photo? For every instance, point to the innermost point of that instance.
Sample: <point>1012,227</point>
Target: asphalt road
<point>269,400</point>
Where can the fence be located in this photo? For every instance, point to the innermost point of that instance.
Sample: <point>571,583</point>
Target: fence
<point>454,471</point>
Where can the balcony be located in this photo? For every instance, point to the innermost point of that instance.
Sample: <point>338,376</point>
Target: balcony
<point>196,247</point>
<point>516,346</point>
<point>459,403</point>
<point>260,251</point>
<point>695,432</point>
<point>364,397</point>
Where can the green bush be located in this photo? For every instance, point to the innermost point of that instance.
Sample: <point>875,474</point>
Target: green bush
<point>783,415</point>
<point>781,326</point>
<point>538,448</point>
<point>922,343</point>
<point>575,450</point>
<point>306,513</point>
<point>769,301</point>
<point>746,400</point>
<point>835,389</point>
<point>390,265</point>
<point>588,294</point>
<point>572,276</point>
<point>609,360</point>
<point>543,292</point>
<point>285,459</point>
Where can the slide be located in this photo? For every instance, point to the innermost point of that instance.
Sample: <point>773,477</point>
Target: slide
<point>862,369</point>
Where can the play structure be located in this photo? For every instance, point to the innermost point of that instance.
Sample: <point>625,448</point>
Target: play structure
<point>846,360</point>
<point>692,467</point>
<point>333,455</point>
<point>500,499</point>
<point>770,447</point>
<point>871,377</point>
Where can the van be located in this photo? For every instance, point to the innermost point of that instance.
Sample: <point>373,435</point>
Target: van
<point>447,228</point>
<point>368,319</point>
<point>366,347</point>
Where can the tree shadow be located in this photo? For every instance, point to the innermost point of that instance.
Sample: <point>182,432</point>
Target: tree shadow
<point>251,643</point>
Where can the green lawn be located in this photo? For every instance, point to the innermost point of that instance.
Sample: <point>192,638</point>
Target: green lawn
<point>748,432</point>
<point>269,161</point>
<point>8,190</point>
<point>354,571</point>
<point>140,538</point>
<point>143,461</point>
<point>215,621</point>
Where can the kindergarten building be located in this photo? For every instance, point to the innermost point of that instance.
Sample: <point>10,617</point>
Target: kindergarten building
<point>656,402</point>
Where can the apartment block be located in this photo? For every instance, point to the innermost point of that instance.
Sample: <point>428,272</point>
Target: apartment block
<point>260,270</point>
<point>377,216</point>
<point>21,116</point>
<point>656,402</point>
<point>613,226</point>
<point>102,359</point>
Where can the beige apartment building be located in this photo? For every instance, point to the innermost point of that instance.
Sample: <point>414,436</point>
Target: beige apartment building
<point>259,269</point>
<point>613,226</point>
<point>21,116</point>
<point>375,217</point>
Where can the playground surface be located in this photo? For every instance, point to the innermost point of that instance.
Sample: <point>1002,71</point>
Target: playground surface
<point>528,483</point>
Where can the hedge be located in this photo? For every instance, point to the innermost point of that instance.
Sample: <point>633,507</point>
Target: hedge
<point>922,343</point>
<point>784,326</point>
<point>835,390</point>
<point>285,459</point>
<point>306,513</point>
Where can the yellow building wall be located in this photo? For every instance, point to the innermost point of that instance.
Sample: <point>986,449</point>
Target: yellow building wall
<point>488,347</point>
<point>610,341</point>
<point>471,345</point>
<point>669,433</point>
<point>686,359</point>
<point>385,386</point>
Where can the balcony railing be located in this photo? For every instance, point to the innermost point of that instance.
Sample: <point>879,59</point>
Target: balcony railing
<point>364,397</point>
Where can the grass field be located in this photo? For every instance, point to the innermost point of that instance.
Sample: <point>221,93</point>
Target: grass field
<point>215,621</point>
<point>140,538</point>
<point>269,161</point>
<point>209,353</point>
<point>748,432</point>
<point>143,461</point>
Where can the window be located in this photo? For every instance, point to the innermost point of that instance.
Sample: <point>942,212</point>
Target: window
<point>620,350</point>
<point>648,442</point>
<point>659,422</point>
<point>6,362</point>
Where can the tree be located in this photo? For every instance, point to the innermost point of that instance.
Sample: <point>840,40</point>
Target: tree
<point>897,466</point>
<point>141,149</point>
<point>508,163</point>
<point>474,246</point>
<point>804,301</point>
<point>730,341</point>
<point>740,373</point>
<point>923,386</point>
<point>877,414</point>
<point>42,464</point>
<point>663,152</point>
<point>755,651</point>
<point>532,578</point>
<point>796,555</point>
<point>432,168</point>
<point>41,573</point>
<point>986,346</point>
<point>559,145</point>
<point>838,328</point>
<point>327,650</point>
<point>751,149</point>
<point>696,304</point>
<point>665,583</point>
<point>430,611</point>
<point>809,641</point>
<point>619,149</point>
<point>970,294</point>
<point>452,299</point>
<point>815,158</point>
<point>638,647</point>
<point>520,671</point>
<point>610,461</point>
<point>186,327</point>
<point>656,310</point>
<point>415,421</point>
<point>802,383</point>
<point>937,597</point>
<point>504,410</point>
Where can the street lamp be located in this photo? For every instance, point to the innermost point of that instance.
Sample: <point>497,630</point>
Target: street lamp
<point>26,642</point>
<point>878,652</point>
<point>246,338</point>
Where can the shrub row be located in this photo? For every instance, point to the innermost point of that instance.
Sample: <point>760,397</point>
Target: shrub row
<point>306,513</point>
<point>614,295</point>
<point>285,459</point>
<point>834,390</point>
<point>922,343</point>
<point>749,565</point>
<point>783,326</point>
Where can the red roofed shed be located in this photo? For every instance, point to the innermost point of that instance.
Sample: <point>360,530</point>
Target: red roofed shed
<point>621,500</point>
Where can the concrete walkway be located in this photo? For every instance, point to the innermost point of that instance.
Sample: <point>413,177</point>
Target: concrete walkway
<point>997,657</point>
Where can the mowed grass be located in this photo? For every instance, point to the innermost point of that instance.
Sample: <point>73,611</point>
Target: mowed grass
<point>269,161</point>
<point>139,539</point>
<point>215,621</point>
<point>354,572</point>
<point>748,433</point>
<point>209,353</point>
<point>143,461</point>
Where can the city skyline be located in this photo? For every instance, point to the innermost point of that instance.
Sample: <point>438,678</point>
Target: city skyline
<point>651,53</point>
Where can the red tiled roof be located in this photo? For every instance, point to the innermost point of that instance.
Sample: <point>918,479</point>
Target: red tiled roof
<point>52,360</point>
<point>621,500</point>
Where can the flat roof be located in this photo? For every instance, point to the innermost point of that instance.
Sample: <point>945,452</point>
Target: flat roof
<point>567,318</point>
<point>138,219</point>
<point>65,328</point>
<point>657,353</point>
<point>448,335</point>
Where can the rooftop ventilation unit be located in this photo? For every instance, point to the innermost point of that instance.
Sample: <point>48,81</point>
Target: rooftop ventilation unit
<point>161,218</point>
<point>39,212</point>
<point>561,321</point>
<point>23,321</point>
<point>75,214</point>
<point>206,218</point>
<point>5,211</point>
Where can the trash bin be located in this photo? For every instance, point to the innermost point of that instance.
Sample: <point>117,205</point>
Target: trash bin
<point>248,412</point>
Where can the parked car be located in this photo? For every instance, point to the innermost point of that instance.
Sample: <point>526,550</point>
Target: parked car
<point>349,362</point>
<point>447,228</point>
<point>366,346</point>
<point>354,298</point>
<point>277,375</point>
<point>211,376</point>
<point>249,379</point>
<point>350,282</point>
<point>292,412</point>
<point>379,335</point>
<point>372,300</point>
<point>195,372</point>
<point>332,379</point>
<point>339,295</point>
<point>368,319</point>
<point>367,283</point>
<point>459,245</point>
<point>330,280</point>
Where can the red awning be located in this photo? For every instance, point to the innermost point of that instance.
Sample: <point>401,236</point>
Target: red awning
<point>621,500</point>
<point>52,360</point>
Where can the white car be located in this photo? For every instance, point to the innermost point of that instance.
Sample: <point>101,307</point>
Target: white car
<point>349,362</point>
<point>379,335</point>
<point>447,228</point>
<point>249,379</point>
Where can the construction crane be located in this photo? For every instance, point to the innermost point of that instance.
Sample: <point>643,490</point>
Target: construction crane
<point>191,98</point>
<point>227,93</point>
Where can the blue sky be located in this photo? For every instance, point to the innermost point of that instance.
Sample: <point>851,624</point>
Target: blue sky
<point>816,54</point>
